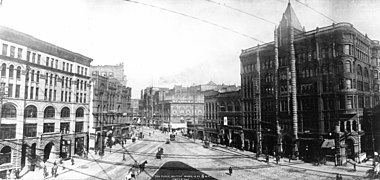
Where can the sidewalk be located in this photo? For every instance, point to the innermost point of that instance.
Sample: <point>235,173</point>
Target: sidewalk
<point>362,169</point>
<point>67,165</point>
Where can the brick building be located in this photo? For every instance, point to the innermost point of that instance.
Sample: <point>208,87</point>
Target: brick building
<point>45,105</point>
<point>223,122</point>
<point>308,88</point>
<point>110,106</point>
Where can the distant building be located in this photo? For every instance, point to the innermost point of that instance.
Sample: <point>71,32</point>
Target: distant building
<point>111,71</point>
<point>45,102</point>
<point>223,122</point>
<point>307,89</point>
<point>110,108</point>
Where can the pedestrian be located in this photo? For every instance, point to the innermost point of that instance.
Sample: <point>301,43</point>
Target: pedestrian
<point>72,161</point>
<point>45,172</point>
<point>8,174</point>
<point>277,159</point>
<point>230,170</point>
<point>123,156</point>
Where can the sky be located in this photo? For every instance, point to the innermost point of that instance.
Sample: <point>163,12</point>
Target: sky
<point>163,43</point>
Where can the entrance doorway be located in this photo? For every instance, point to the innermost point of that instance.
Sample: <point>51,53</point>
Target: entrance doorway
<point>48,151</point>
<point>350,150</point>
<point>65,149</point>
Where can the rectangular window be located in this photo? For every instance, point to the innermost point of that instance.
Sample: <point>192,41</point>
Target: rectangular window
<point>17,91</point>
<point>8,131</point>
<point>78,69</point>
<point>62,96</point>
<point>48,127</point>
<point>10,90</point>
<point>65,96</point>
<point>349,102</point>
<point>348,84</point>
<point>50,91</point>
<point>81,72</point>
<point>12,53</point>
<point>63,65</point>
<point>80,100</point>
<point>67,67</point>
<point>19,53</point>
<point>46,91</point>
<point>37,93</point>
<point>69,96</point>
<point>63,81</point>
<point>56,63</point>
<point>70,82</point>
<point>84,98</point>
<point>65,128</point>
<point>78,126</point>
<point>5,49</point>
<point>28,56</point>
<point>85,71</point>
<point>34,58</point>
<point>361,102</point>
<point>71,68</point>
<point>77,97</point>
<point>30,130</point>
<point>26,92</point>
<point>54,96</point>
<point>39,59</point>
<point>31,92</point>
<point>47,78</point>
<point>52,63</point>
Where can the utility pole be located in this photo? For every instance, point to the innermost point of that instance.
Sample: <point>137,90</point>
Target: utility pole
<point>24,118</point>
<point>194,133</point>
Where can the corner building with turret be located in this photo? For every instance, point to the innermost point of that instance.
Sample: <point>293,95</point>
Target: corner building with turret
<point>305,94</point>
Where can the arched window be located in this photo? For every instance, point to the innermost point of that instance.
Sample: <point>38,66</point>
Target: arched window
<point>79,112</point>
<point>3,70</point>
<point>8,111</point>
<point>347,66</point>
<point>18,72</point>
<point>30,111</point>
<point>11,69</point>
<point>359,70</point>
<point>49,112</point>
<point>65,112</point>
<point>5,155</point>
<point>237,106</point>
<point>230,106</point>
<point>365,72</point>
<point>340,67</point>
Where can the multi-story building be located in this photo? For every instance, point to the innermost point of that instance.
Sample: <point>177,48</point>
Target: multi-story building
<point>45,106</point>
<point>112,71</point>
<point>308,88</point>
<point>223,122</point>
<point>110,109</point>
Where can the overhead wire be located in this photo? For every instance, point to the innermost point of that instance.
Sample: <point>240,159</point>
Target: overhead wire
<point>316,11</point>
<point>198,19</point>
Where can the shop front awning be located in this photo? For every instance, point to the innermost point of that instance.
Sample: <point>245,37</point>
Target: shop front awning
<point>328,143</point>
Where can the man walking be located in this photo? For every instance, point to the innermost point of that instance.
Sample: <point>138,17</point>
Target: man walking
<point>230,170</point>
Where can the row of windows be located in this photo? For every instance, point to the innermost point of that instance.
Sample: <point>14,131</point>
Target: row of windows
<point>36,58</point>
<point>9,111</point>
<point>8,131</point>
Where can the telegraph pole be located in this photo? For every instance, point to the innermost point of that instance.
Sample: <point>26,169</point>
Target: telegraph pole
<point>194,133</point>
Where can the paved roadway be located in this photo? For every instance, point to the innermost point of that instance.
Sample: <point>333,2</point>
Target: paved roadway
<point>213,162</point>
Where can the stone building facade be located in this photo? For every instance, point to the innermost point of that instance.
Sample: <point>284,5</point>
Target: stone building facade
<point>296,108</point>
<point>45,101</point>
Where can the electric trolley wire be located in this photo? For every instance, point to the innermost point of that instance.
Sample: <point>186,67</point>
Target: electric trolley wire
<point>196,18</point>
<point>238,10</point>
<point>316,11</point>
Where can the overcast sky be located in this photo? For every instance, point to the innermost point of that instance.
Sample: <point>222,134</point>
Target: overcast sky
<point>163,48</point>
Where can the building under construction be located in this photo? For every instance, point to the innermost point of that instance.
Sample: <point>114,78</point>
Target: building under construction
<point>304,94</point>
